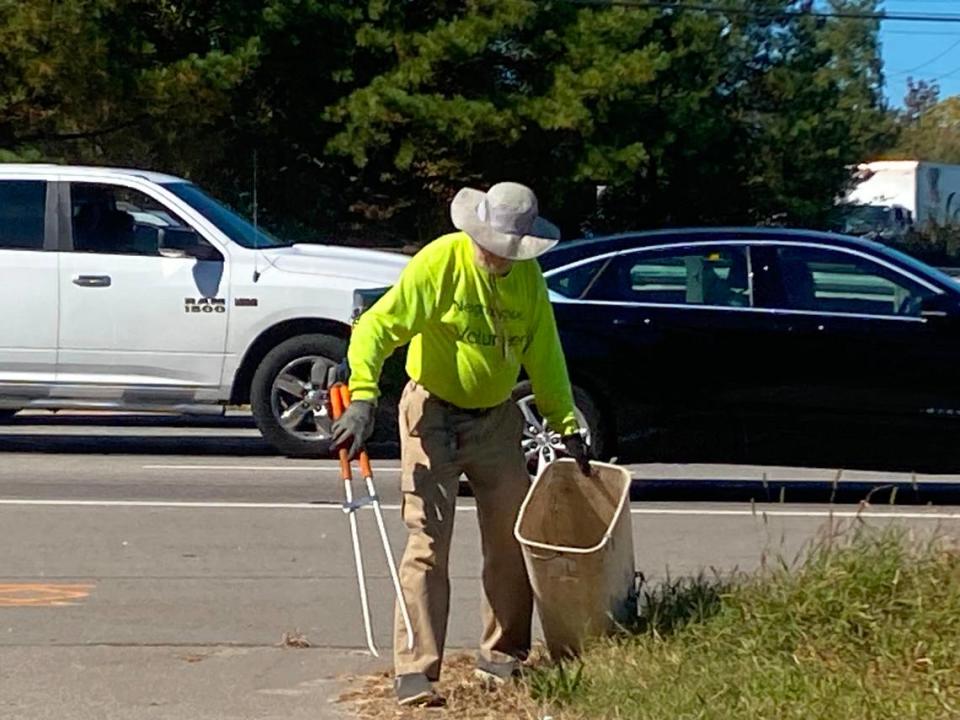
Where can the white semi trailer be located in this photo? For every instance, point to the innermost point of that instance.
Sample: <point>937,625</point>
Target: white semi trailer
<point>891,196</point>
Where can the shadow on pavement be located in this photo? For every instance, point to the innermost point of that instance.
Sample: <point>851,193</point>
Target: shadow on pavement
<point>846,492</point>
<point>923,447</point>
<point>111,420</point>
<point>234,436</point>
<point>875,447</point>
<point>198,445</point>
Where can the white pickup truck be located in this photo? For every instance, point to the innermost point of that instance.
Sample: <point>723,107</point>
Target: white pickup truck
<point>131,290</point>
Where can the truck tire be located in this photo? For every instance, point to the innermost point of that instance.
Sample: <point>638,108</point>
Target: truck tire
<point>290,410</point>
<point>540,443</point>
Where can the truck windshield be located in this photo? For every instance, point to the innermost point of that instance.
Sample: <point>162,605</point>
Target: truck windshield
<point>865,219</point>
<point>230,223</point>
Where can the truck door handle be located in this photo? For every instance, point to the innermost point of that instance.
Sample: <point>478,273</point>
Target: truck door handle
<point>92,280</point>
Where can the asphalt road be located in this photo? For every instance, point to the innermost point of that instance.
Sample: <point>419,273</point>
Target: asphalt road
<point>151,571</point>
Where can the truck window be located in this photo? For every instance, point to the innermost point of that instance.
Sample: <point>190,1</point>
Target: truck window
<point>116,220</point>
<point>229,222</point>
<point>22,206</point>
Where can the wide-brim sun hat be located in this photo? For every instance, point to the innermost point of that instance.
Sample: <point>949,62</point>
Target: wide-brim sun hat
<point>505,221</point>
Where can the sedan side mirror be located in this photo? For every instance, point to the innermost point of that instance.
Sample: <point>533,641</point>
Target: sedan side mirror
<point>938,306</point>
<point>180,242</point>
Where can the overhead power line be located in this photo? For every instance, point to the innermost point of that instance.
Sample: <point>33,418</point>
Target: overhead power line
<point>928,63</point>
<point>925,33</point>
<point>699,7</point>
<point>947,75</point>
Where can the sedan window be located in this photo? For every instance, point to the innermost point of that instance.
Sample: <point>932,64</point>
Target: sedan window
<point>693,275</point>
<point>574,282</point>
<point>823,280</point>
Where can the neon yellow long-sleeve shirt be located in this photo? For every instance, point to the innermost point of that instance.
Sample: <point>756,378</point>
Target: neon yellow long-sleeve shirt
<point>469,332</point>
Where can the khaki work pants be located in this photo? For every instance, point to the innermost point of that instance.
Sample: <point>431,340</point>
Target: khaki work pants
<point>439,443</point>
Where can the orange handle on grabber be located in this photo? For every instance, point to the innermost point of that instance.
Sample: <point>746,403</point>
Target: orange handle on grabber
<point>343,396</point>
<point>337,405</point>
<point>339,402</point>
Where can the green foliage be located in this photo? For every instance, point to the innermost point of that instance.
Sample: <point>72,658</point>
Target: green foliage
<point>21,155</point>
<point>937,245</point>
<point>372,114</point>
<point>114,82</point>
<point>686,117</point>
<point>556,684</point>
<point>933,136</point>
<point>863,629</point>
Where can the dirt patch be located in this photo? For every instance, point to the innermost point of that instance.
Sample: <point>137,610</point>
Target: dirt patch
<point>372,696</point>
<point>192,658</point>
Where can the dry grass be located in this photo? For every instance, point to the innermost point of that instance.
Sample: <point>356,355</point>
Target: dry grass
<point>295,639</point>
<point>466,698</point>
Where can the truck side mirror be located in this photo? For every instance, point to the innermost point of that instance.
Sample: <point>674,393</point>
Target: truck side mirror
<point>181,242</point>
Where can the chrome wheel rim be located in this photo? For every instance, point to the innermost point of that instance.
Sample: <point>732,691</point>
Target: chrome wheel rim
<point>542,445</point>
<point>299,406</point>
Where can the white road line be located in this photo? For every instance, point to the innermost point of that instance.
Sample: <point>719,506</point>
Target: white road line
<point>690,512</point>
<point>187,504</point>
<point>259,468</point>
<point>799,513</point>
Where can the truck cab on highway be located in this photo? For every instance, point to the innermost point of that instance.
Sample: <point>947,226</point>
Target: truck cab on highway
<point>137,291</point>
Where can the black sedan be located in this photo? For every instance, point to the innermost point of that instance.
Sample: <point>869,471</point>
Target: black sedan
<point>729,323</point>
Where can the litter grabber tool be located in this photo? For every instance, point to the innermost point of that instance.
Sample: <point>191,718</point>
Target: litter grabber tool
<point>340,401</point>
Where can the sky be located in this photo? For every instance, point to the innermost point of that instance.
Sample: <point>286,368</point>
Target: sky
<point>924,50</point>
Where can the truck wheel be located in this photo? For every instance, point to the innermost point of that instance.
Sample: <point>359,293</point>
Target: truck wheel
<point>541,444</point>
<point>288,405</point>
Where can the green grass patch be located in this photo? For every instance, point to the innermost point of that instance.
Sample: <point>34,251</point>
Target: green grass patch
<point>864,628</point>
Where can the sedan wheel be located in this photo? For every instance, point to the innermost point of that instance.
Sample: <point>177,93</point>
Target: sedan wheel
<point>541,444</point>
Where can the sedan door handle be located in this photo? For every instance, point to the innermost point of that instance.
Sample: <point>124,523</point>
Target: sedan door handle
<point>92,280</point>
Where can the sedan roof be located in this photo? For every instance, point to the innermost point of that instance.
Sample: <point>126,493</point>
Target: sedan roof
<point>573,250</point>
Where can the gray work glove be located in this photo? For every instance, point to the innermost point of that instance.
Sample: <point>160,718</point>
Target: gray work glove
<point>578,449</point>
<point>354,427</point>
<point>338,374</point>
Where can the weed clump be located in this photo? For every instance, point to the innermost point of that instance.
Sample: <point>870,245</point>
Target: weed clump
<point>866,627</point>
